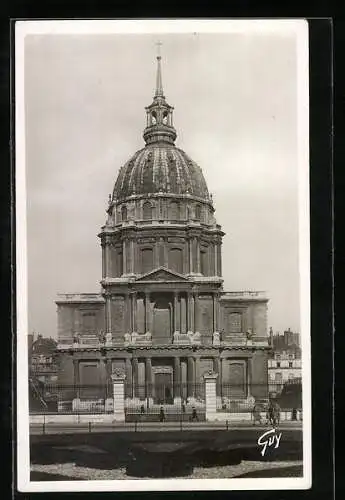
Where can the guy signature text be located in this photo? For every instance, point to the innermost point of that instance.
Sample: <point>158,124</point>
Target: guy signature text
<point>268,439</point>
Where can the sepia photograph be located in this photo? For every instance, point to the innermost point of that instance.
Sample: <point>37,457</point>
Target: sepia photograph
<point>162,252</point>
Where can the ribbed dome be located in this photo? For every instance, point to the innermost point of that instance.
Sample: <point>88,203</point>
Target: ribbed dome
<point>160,168</point>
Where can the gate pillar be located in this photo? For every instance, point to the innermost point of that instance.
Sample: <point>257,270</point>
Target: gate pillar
<point>211,395</point>
<point>118,379</point>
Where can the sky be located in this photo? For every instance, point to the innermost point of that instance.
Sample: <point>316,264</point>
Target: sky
<point>235,100</point>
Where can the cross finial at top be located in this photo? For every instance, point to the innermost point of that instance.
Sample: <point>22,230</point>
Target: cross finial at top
<point>159,44</point>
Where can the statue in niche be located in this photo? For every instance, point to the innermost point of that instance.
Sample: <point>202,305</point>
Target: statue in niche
<point>128,337</point>
<point>108,338</point>
<point>216,338</point>
<point>250,334</point>
<point>175,337</point>
<point>76,338</point>
<point>101,336</point>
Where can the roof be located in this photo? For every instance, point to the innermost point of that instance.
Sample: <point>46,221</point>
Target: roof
<point>160,168</point>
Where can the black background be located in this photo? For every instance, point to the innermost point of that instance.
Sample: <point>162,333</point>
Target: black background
<point>321,207</point>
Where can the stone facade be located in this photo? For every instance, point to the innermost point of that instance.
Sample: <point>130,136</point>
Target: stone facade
<point>162,316</point>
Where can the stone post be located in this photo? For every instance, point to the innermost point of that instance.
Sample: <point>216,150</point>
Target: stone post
<point>211,395</point>
<point>118,379</point>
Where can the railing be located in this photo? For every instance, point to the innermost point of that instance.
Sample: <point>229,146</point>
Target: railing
<point>244,294</point>
<point>79,297</point>
<point>146,402</point>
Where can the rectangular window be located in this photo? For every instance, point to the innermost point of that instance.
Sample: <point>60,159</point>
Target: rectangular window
<point>278,364</point>
<point>235,322</point>
<point>290,364</point>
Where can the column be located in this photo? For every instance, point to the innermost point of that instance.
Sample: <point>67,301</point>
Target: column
<point>124,257</point>
<point>181,315</point>
<point>147,312</point>
<point>133,266</point>
<point>127,314</point>
<point>76,376</point>
<point>190,248</point>
<point>148,377</point>
<point>156,256</point>
<point>134,312</point>
<point>129,378</point>
<point>215,253</point>
<point>196,312</point>
<point>190,377</point>
<point>108,313</point>
<point>197,246</point>
<point>198,391</point>
<point>119,397</point>
<point>211,396</point>
<point>109,398</point>
<point>177,379</point>
<point>215,313</point>
<point>104,269</point>
<point>108,259</point>
<point>165,247</point>
<point>175,312</point>
<point>190,314</point>
<point>218,312</point>
<point>135,377</point>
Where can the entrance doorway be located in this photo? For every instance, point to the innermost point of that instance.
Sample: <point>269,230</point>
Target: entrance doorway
<point>162,321</point>
<point>163,393</point>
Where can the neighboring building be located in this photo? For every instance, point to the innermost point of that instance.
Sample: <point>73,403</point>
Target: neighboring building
<point>284,364</point>
<point>162,316</point>
<point>42,364</point>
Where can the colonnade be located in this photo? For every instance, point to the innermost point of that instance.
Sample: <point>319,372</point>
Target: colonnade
<point>131,265</point>
<point>183,321</point>
<point>138,386</point>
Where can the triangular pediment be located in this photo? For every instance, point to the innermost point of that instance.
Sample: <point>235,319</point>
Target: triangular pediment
<point>162,274</point>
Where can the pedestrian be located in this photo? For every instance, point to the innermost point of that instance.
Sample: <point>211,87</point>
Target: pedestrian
<point>194,415</point>
<point>276,414</point>
<point>142,409</point>
<point>161,414</point>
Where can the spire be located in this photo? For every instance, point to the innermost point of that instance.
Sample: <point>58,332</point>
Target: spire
<point>159,85</point>
<point>159,119</point>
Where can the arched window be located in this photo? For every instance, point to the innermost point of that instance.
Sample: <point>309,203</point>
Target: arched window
<point>153,118</point>
<point>203,262</point>
<point>146,260</point>
<point>124,213</point>
<point>147,210</point>
<point>165,118</point>
<point>197,212</point>
<point>174,211</point>
<point>175,260</point>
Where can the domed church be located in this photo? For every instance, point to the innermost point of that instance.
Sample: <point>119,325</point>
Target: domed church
<point>162,316</point>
